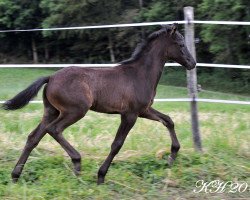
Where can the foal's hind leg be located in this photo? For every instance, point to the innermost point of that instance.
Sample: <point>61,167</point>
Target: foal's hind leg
<point>166,121</point>
<point>33,139</point>
<point>55,129</point>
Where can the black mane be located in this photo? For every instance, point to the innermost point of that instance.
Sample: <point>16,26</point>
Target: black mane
<point>143,45</point>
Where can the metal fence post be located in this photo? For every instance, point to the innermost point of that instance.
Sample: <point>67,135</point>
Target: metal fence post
<point>191,77</point>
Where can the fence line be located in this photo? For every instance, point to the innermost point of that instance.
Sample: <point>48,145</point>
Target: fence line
<point>95,27</point>
<point>203,100</point>
<point>126,25</point>
<point>113,65</point>
<point>221,22</point>
<point>223,66</point>
<point>156,100</point>
<point>54,65</point>
<point>181,100</point>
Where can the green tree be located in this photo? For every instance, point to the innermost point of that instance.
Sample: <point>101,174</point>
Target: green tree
<point>88,45</point>
<point>229,44</point>
<point>21,14</point>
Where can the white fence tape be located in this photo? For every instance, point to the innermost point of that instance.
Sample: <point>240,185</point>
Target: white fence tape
<point>182,100</point>
<point>113,65</point>
<point>95,27</point>
<point>221,22</point>
<point>223,66</point>
<point>156,100</point>
<point>203,100</point>
<point>126,25</point>
<point>54,65</point>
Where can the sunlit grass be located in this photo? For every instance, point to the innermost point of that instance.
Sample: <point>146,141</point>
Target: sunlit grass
<point>139,170</point>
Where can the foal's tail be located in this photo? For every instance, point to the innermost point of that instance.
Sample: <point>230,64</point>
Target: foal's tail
<point>23,98</point>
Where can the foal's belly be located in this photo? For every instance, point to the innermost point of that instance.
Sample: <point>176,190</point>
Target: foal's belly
<point>115,102</point>
<point>110,104</point>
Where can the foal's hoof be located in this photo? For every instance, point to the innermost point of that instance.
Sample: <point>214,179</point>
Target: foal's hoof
<point>170,161</point>
<point>15,177</point>
<point>77,173</point>
<point>77,168</point>
<point>100,180</point>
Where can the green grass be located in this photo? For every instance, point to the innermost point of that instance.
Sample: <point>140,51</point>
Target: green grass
<point>139,171</point>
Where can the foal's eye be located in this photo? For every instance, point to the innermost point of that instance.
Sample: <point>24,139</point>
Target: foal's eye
<point>181,45</point>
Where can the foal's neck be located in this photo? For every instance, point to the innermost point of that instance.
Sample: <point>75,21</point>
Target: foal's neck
<point>152,62</point>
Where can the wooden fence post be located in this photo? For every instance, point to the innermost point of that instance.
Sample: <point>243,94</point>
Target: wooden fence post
<point>191,77</point>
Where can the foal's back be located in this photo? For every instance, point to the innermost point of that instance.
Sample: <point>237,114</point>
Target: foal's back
<point>108,90</point>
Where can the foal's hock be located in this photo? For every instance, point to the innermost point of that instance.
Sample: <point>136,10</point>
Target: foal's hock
<point>127,89</point>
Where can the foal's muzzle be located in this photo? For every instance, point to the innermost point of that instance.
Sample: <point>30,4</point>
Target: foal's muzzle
<point>191,65</point>
<point>190,62</point>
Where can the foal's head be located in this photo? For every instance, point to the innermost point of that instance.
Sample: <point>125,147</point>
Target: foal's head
<point>176,48</point>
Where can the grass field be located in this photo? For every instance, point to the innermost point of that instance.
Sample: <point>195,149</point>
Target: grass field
<point>140,170</point>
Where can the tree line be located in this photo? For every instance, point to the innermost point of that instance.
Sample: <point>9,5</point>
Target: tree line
<point>214,43</point>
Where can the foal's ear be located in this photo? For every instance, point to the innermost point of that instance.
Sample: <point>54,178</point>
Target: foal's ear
<point>174,27</point>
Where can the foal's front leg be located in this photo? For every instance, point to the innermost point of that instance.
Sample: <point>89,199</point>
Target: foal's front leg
<point>153,114</point>
<point>127,122</point>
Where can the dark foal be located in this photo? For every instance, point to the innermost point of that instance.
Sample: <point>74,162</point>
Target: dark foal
<point>127,89</point>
